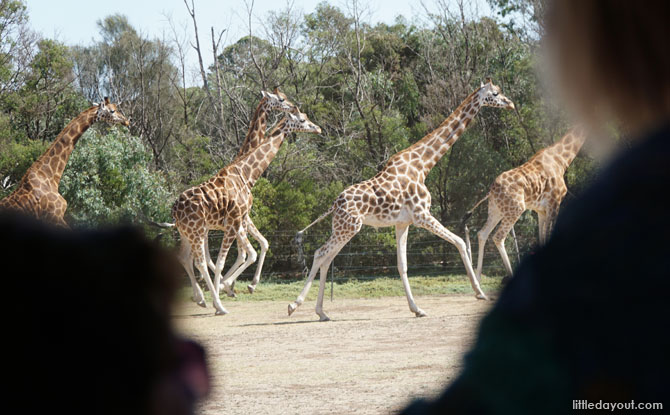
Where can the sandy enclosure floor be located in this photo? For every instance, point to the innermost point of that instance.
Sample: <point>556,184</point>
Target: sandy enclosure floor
<point>371,359</point>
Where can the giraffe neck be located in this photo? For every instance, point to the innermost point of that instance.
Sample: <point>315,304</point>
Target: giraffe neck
<point>252,164</point>
<point>52,163</point>
<point>565,150</point>
<point>256,132</point>
<point>435,144</point>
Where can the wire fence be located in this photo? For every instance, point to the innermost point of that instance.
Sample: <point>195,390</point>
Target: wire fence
<point>372,254</point>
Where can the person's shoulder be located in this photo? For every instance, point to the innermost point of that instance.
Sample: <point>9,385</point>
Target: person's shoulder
<point>630,184</point>
<point>648,156</point>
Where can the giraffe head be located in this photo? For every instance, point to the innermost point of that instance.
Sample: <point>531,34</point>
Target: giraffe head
<point>277,100</point>
<point>491,96</point>
<point>298,122</point>
<point>108,113</point>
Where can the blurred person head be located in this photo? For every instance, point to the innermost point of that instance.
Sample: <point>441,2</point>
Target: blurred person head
<point>88,327</point>
<point>610,61</point>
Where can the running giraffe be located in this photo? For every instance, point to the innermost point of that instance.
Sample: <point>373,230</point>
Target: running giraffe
<point>397,196</point>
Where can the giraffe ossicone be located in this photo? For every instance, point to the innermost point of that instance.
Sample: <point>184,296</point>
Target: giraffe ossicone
<point>397,196</point>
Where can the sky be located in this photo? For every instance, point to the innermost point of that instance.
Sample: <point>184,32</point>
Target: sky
<point>74,21</point>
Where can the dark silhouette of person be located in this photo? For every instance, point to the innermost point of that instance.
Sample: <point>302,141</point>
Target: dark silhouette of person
<point>87,324</point>
<point>587,317</point>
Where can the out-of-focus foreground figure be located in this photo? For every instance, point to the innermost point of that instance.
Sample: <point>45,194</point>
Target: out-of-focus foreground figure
<point>86,320</point>
<point>586,317</point>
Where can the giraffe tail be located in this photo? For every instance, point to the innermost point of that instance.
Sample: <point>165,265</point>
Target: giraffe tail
<point>468,214</point>
<point>298,236</point>
<point>319,219</point>
<point>164,225</point>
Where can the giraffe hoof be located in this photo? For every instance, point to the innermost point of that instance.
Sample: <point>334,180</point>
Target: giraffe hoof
<point>221,312</point>
<point>420,313</point>
<point>230,291</point>
<point>482,296</point>
<point>251,289</point>
<point>291,308</point>
<point>323,317</point>
<point>202,303</point>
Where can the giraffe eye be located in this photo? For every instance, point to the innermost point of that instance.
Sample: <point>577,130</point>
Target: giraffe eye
<point>495,94</point>
<point>112,111</point>
<point>281,100</point>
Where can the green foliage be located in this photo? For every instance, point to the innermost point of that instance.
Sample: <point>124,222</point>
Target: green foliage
<point>278,290</point>
<point>15,158</point>
<point>373,89</point>
<point>192,161</point>
<point>109,180</point>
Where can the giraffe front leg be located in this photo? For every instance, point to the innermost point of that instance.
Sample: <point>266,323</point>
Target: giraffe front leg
<point>228,238</point>
<point>501,234</point>
<point>401,232</point>
<point>186,260</point>
<point>200,259</point>
<point>210,263</point>
<point>427,221</point>
<point>243,243</point>
<point>241,257</point>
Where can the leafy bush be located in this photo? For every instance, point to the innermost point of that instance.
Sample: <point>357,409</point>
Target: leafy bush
<point>109,179</point>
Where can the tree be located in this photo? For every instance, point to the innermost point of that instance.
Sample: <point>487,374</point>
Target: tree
<point>138,73</point>
<point>109,180</point>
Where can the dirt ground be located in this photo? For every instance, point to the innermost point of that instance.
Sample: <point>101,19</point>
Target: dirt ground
<point>372,358</point>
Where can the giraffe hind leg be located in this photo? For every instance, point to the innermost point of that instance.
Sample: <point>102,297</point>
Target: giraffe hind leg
<point>501,234</point>
<point>256,234</point>
<point>324,256</point>
<point>426,221</point>
<point>493,219</point>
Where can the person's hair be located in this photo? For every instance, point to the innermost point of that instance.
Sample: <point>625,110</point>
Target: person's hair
<point>87,318</point>
<point>612,57</point>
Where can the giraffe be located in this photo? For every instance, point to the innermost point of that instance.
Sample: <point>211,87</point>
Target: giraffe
<point>397,196</point>
<point>537,185</point>
<point>223,203</point>
<point>276,100</point>
<point>37,192</point>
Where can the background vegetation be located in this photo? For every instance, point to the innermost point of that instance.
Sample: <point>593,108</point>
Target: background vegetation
<point>373,89</point>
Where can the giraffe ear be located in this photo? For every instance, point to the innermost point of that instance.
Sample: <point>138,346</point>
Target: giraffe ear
<point>482,85</point>
<point>276,90</point>
<point>488,80</point>
<point>106,100</point>
<point>264,94</point>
